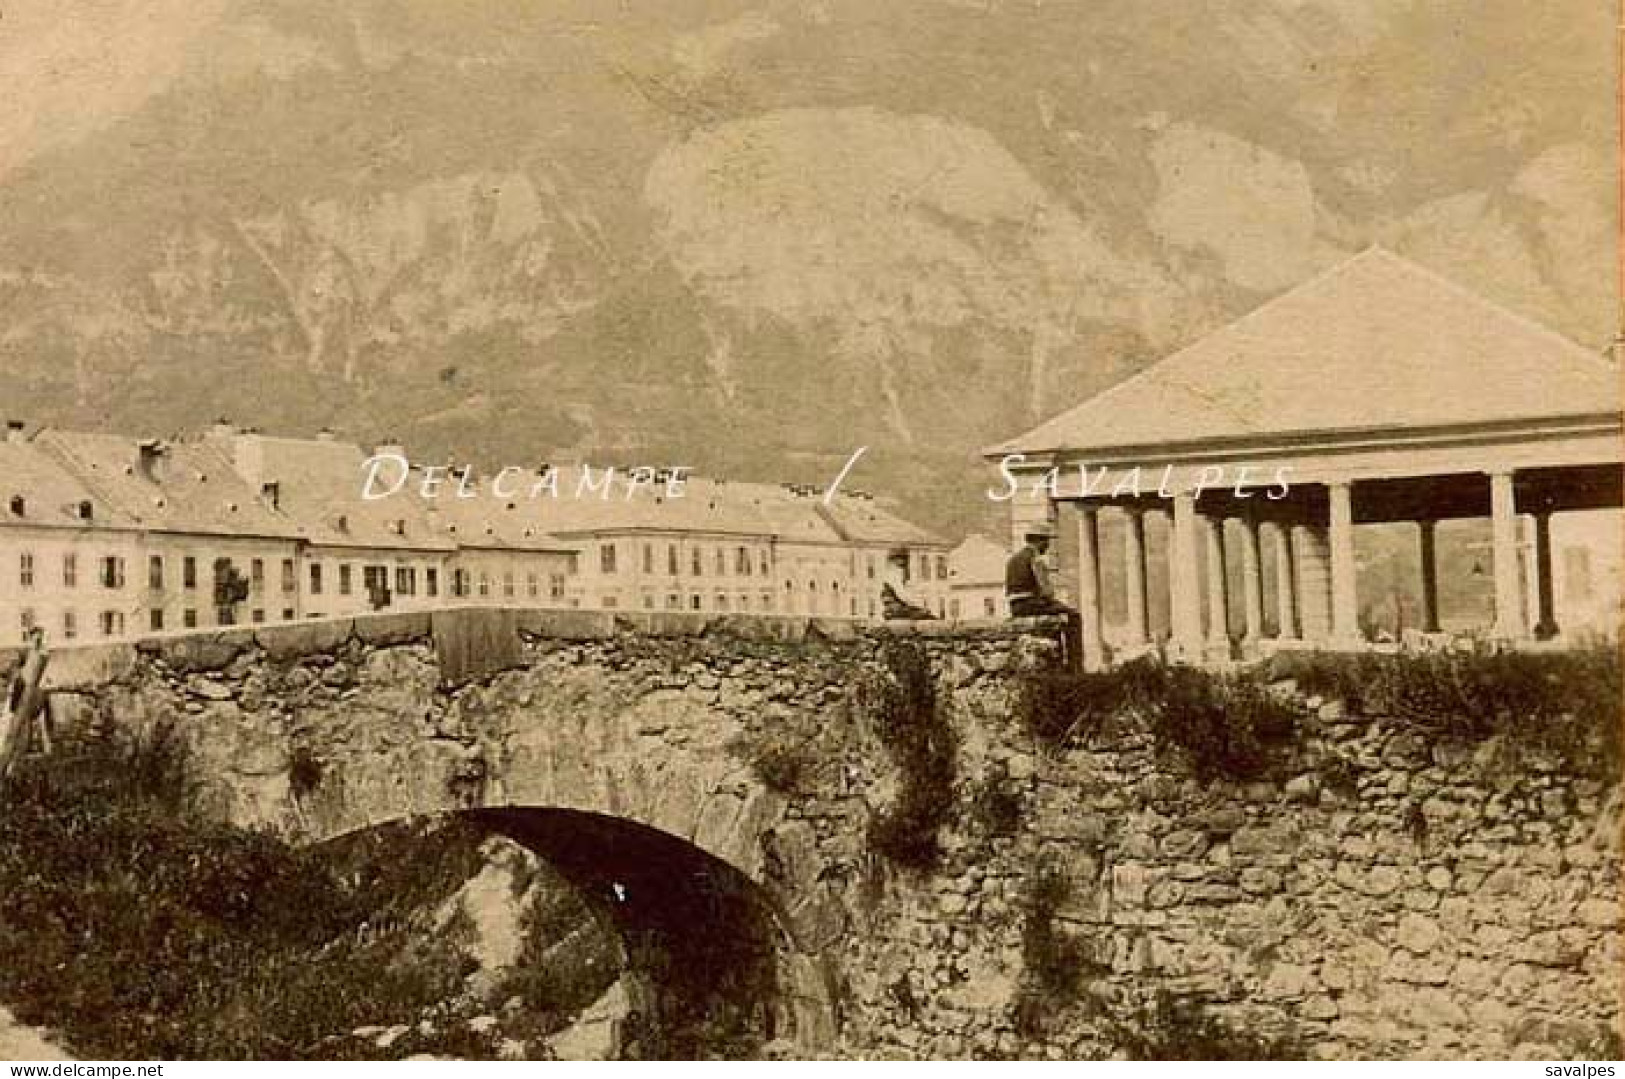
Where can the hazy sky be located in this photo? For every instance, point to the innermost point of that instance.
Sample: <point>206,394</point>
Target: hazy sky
<point>71,66</point>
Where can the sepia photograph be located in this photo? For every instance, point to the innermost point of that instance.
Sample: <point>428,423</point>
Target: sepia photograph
<point>811,530</point>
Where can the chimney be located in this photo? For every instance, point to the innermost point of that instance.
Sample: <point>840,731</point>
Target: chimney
<point>222,428</point>
<point>325,435</point>
<point>272,493</point>
<point>390,448</point>
<point>150,453</point>
<point>14,431</point>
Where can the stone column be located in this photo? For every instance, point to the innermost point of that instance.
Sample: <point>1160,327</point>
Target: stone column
<point>1218,585</point>
<point>1185,580</point>
<point>1426,530</point>
<point>1252,581</point>
<point>1345,592</point>
<point>1286,604</point>
<point>1086,528</point>
<point>1509,616</point>
<point>1546,623</point>
<point>1314,582</point>
<point>1134,576</point>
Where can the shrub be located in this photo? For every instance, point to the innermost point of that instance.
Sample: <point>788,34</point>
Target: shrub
<point>142,927</point>
<point>920,741</point>
<point>1225,724</point>
<point>1564,703</point>
<point>1056,706</point>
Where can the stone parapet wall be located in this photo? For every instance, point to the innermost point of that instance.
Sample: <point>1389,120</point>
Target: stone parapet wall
<point>1383,896</point>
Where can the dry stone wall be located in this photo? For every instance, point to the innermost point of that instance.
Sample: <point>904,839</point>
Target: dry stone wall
<point>1383,897</point>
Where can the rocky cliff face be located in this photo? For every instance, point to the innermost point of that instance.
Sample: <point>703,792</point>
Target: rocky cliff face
<point>751,236</point>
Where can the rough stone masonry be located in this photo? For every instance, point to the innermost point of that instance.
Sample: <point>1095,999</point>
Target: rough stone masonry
<point>1385,898</point>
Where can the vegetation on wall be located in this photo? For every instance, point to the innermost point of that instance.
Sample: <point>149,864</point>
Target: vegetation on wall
<point>1055,963</point>
<point>1170,1027</point>
<point>1226,725</point>
<point>140,927</point>
<point>1564,703</point>
<point>912,725</point>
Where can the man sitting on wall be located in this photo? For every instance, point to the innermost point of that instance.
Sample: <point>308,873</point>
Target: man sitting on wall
<point>1026,577</point>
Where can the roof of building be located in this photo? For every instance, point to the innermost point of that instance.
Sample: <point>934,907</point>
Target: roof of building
<point>861,519</point>
<point>167,486</point>
<point>977,561</point>
<point>320,484</point>
<point>1375,344</point>
<point>483,520</point>
<point>51,496</point>
<point>707,505</point>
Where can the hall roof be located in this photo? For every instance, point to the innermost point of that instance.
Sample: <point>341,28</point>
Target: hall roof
<point>1375,344</point>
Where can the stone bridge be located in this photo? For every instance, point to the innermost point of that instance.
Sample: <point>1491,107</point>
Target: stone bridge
<point>1381,897</point>
<point>652,721</point>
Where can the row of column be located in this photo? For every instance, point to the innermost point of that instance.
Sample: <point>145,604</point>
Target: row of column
<point>1316,593</point>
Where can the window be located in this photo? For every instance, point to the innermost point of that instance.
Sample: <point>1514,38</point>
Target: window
<point>694,565</point>
<point>459,582</point>
<point>671,559</point>
<point>287,614</point>
<point>406,580</point>
<point>431,581</point>
<point>258,615</point>
<point>609,602</point>
<point>315,578</point>
<point>722,602</point>
<point>763,563</point>
<point>189,573</point>
<point>648,558</point>
<point>225,616</point>
<point>25,569</point>
<point>189,618</point>
<point>555,585</point>
<point>507,583</point>
<point>694,601</point>
<point>533,585</point>
<point>648,603</point>
<point>742,561</point>
<point>942,567</point>
<point>289,581</point>
<point>347,578</point>
<point>767,601</point>
<point>70,570</point>
<point>673,602</point>
<point>256,575</point>
<point>953,608</point>
<point>70,625</point>
<point>155,619</point>
<point>869,567</point>
<point>988,606</point>
<point>485,582</point>
<point>25,618</point>
<point>606,558</point>
<point>112,572</point>
<point>155,572</point>
<point>722,562</point>
<point>112,623</point>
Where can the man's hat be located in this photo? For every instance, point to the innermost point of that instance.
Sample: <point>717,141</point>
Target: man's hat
<point>1040,530</point>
